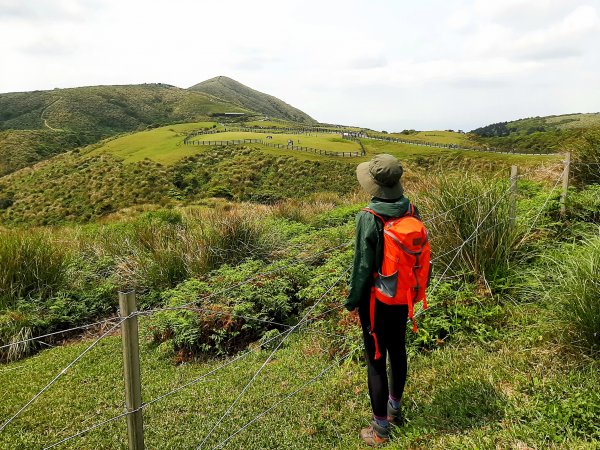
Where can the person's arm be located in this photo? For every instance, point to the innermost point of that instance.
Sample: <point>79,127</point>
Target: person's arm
<point>364,259</point>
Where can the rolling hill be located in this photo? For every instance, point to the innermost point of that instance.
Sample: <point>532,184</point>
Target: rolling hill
<point>234,92</point>
<point>549,133</point>
<point>40,124</point>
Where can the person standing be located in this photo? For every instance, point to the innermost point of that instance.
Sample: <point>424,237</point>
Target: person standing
<point>383,322</point>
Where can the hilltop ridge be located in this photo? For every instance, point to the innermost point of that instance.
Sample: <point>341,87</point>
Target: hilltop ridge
<point>37,125</point>
<point>243,96</point>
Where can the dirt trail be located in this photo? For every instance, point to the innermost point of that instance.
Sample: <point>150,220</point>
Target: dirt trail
<point>46,120</point>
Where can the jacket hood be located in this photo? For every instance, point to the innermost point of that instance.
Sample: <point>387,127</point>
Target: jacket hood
<point>395,208</point>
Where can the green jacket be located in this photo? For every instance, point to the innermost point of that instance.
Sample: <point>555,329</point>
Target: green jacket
<point>368,250</point>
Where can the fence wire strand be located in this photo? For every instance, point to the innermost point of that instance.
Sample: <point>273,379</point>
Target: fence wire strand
<point>286,335</point>
<point>282,337</point>
<point>62,372</point>
<point>37,338</point>
<point>287,397</point>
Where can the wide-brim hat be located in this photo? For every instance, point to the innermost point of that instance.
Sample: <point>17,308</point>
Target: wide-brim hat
<point>380,177</point>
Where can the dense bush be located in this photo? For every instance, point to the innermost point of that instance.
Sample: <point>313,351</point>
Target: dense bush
<point>228,319</point>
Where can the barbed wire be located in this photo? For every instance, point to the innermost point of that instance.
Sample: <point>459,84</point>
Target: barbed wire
<point>81,327</point>
<point>260,369</point>
<point>61,373</point>
<point>287,397</point>
<point>186,385</point>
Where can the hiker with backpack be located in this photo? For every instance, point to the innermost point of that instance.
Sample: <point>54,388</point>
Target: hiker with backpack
<point>390,274</point>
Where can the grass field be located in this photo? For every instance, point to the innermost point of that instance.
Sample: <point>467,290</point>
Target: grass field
<point>323,141</point>
<point>163,145</point>
<point>437,137</point>
<point>525,390</point>
<point>413,152</point>
<point>271,124</point>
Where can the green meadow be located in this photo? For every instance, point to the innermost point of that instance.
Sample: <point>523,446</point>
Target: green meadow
<point>163,145</point>
<point>324,141</point>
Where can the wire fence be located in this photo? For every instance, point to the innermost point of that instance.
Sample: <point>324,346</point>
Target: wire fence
<point>355,135</point>
<point>301,325</point>
<point>316,151</point>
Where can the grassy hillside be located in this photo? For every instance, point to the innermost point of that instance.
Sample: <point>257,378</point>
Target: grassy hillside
<point>22,148</point>
<point>106,110</point>
<point>498,361</point>
<point>436,136</point>
<point>163,145</point>
<point>234,92</point>
<point>51,122</point>
<point>154,166</point>
<point>77,187</point>
<point>551,133</point>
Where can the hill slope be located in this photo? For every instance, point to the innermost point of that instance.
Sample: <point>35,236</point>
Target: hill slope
<point>550,133</point>
<point>234,92</point>
<point>51,122</point>
<point>106,109</point>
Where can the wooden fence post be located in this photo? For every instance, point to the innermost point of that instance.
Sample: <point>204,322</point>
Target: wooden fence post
<point>131,371</point>
<point>514,170</point>
<point>565,184</point>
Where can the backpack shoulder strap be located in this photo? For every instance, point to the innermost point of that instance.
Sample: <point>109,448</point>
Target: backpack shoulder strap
<point>369,210</point>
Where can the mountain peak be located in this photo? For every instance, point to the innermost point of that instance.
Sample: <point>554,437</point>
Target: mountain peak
<point>239,94</point>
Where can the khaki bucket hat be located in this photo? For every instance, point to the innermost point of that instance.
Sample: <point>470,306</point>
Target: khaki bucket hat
<point>380,177</point>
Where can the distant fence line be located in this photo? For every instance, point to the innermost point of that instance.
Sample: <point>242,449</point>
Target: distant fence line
<point>357,136</point>
<point>454,146</point>
<point>316,151</point>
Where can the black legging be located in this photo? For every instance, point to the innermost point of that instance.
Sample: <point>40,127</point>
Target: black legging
<point>390,328</point>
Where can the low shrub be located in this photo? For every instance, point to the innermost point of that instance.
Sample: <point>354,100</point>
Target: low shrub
<point>585,167</point>
<point>227,316</point>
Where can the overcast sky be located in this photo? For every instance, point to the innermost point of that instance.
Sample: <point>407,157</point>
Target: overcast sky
<point>383,64</point>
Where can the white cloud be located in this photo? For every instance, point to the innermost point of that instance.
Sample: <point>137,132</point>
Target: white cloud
<point>407,64</point>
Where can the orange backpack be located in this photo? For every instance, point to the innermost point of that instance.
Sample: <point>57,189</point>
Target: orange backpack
<point>406,266</point>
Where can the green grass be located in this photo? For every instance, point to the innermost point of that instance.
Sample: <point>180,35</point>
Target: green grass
<point>522,391</point>
<point>575,285</point>
<point>272,124</point>
<point>322,141</point>
<point>436,136</point>
<point>417,154</point>
<point>163,145</point>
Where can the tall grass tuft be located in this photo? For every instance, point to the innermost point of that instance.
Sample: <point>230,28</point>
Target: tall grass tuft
<point>469,226</point>
<point>576,284</point>
<point>162,249</point>
<point>32,265</point>
<point>230,237</point>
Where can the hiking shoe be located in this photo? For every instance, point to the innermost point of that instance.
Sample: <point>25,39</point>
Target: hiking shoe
<point>394,415</point>
<point>375,435</point>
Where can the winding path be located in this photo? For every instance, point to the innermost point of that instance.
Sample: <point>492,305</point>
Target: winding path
<point>46,120</point>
